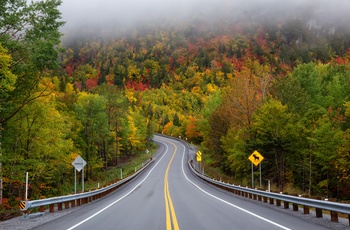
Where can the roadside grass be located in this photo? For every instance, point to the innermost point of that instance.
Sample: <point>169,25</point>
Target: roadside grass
<point>123,170</point>
<point>217,174</point>
<point>119,172</point>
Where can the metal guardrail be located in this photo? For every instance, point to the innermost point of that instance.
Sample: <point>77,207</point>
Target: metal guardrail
<point>77,198</point>
<point>319,205</point>
<point>276,198</point>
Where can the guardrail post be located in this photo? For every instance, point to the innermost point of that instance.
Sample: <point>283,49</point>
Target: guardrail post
<point>296,202</point>
<point>278,203</point>
<point>285,203</point>
<point>52,207</point>
<point>306,208</point>
<point>318,210</point>
<point>69,200</point>
<point>66,205</point>
<point>334,215</point>
<point>295,207</point>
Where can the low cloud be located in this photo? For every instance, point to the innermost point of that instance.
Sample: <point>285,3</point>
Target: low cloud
<point>111,16</point>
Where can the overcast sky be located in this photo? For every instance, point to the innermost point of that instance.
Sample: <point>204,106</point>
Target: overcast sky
<point>86,14</point>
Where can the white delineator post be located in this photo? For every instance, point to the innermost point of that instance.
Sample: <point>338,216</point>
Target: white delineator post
<point>26,198</point>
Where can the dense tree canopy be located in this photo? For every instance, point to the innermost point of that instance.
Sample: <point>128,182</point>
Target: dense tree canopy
<point>29,41</point>
<point>230,91</point>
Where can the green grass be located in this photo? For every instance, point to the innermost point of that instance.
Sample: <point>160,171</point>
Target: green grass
<point>112,175</point>
<point>120,172</point>
<point>216,173</point>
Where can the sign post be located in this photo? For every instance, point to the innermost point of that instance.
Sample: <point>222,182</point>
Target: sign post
<point>256,158</point>
<point>260,174</point>
<point>79,164</point>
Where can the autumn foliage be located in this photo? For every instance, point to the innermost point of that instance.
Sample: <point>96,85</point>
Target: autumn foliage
<point>230,91</point>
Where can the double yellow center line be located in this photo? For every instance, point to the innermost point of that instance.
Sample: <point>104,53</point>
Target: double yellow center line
<point>169,207</point>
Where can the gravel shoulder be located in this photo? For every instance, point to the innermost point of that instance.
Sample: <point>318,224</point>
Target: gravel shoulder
<point>20,223</point>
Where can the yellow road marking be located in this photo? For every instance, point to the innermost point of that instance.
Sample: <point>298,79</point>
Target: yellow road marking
<point>169,207</point>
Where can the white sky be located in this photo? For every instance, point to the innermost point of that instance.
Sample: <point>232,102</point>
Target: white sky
<point>85,14</point>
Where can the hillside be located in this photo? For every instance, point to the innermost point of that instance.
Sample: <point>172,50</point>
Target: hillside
<point>227,89</point>
<point>232,85</point>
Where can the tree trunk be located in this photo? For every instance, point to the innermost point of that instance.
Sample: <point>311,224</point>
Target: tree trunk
<point>87,152</point>
<point>310,174</point>
<point>303,174</point>
<point>105,151</point>
<point>278,169</point>
<point>116,144</point>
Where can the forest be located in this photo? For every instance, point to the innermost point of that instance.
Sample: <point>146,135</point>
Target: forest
<point>281,89</point>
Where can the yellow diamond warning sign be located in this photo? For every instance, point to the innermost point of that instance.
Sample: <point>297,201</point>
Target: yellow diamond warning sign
<point>256,158</point>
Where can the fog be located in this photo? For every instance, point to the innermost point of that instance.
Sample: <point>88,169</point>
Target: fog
<point>108,17</point>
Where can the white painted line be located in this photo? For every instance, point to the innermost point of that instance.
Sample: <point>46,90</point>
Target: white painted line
<point>226,202</point>
<point>105,208</point>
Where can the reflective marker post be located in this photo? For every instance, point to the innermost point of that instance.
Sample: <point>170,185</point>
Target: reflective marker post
<point>26,198</point>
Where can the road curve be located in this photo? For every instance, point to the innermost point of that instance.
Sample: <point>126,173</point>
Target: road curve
<point>168,196</point>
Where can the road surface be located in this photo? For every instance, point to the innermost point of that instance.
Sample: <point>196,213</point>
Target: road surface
<point>168,196</point>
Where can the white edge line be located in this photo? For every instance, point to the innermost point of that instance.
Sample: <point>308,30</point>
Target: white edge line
<point>116,201</point>
<point>224,201</point>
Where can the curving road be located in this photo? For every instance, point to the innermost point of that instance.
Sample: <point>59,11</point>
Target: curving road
<point>168,196</point>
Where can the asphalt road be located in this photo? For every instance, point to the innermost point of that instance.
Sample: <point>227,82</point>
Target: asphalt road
<point>168,196</point>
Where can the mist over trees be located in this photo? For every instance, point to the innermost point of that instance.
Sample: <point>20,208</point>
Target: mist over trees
<point>230,76</point>
<point>110,19</point>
